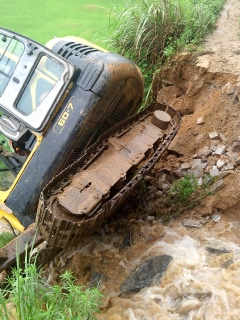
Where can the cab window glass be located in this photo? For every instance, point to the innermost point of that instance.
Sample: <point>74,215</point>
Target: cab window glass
<point>10,53</point>
<point>40,84</point>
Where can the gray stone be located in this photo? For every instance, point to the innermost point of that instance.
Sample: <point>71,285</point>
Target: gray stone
<point>220,150</point>
<point>196,162</point>
<point>205,151</point>
<point>147,274</point>
<point>192,223</point>
<point>214,172</point>
<point>238,161</point>
<point>217,251</point>
<point>222,137</point>
<point>203,165</point>
<point>228,88</point>
<point>229,166</point>
<point>217,185</point>
<point>216,217</point>
<point>213,135</point>
<point>213,147</point>
<point>198,173</point>
<point>200,120</point>
<point>220,164</point>
<point>95,280</point>
<point>186,165</point>
<point>236,147</point>
<point>200,181</point>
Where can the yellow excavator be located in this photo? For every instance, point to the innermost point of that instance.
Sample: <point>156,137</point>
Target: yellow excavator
<point>72,141</point>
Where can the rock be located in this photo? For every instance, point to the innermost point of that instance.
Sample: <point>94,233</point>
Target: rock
<point>165,187</point>
<point>228,88</point>
<point>217,185</point>
<point>220,150</point>
<point>147,274</point>
<point>95,280</point>
<point>220,164</point>
<point>186,165</point>
<point>236,147</point>
<point>200,120</point>
<point>203,165</point>
<point>200,181</point>
<point>198,173</point>
<point>217,251</point>
<point>229,166</point>
<point>214,172</point>
<point>192,223</point>
<point>205,151</point>
<point>213,135</point>
<point>238,161</point>
<point>196,163</point>
<point>222,137</point>
<point>216,217</point>
<point>213,147</point>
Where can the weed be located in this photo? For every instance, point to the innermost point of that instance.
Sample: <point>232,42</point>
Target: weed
<point>149,32</point>
<point>28,297</point>
<point>184,194</point>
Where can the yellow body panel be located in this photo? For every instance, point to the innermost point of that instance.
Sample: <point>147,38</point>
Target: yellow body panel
<point>12,219</point>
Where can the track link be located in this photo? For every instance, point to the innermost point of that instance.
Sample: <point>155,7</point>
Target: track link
<point>80,198</point>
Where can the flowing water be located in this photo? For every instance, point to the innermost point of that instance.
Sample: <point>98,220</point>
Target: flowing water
<point>201,282</point>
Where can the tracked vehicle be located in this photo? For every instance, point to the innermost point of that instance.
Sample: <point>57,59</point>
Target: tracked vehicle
<point>58,168</point>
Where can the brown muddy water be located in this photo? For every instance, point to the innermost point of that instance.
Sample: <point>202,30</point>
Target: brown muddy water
<point>202,280</point>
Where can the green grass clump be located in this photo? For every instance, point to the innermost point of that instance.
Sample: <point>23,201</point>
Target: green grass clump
<point>28,297</point>
<point>5,237</point>
<point>151,31</point>
<point>185,194</point>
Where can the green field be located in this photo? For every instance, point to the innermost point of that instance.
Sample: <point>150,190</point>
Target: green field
<point>42,20</point>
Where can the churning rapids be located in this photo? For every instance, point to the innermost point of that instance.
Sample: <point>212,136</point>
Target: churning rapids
<point>201,281</point>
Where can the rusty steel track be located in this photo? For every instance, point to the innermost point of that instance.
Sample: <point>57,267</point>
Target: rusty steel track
<point>79,199</point>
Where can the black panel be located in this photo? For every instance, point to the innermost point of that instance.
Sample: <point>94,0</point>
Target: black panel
<point>51,155</point>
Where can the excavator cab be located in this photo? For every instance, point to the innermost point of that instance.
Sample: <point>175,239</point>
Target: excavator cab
<point>55,101</point>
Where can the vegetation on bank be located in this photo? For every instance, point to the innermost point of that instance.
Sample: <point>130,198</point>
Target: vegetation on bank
<point>28,297</point>
<point>184,195</point>
<point>151,31</point>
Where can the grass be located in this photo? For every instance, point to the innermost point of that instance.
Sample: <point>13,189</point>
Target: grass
<point>5,237</point>
<point>28,297</point>
<point>185,194</point>
<point>42,20</point>
<point>151,31</point>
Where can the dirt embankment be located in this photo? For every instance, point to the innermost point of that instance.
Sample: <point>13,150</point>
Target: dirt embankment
<point>206,85</point>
